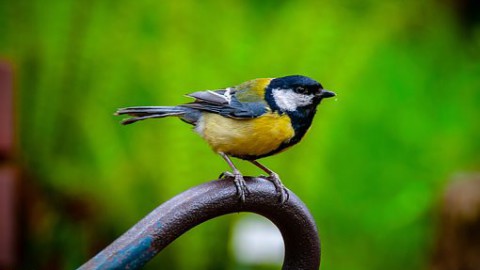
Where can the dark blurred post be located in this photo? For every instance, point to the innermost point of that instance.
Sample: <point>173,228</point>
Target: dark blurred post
<point>458,234</point>
<point>7,171</point>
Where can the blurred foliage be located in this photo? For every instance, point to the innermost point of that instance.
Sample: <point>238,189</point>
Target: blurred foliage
<point>407,75</point>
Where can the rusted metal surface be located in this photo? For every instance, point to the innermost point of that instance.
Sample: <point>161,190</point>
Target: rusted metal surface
<point>8,171</point>
<point>6,111</point>
<point>7,217</point>
<point>163,225</point>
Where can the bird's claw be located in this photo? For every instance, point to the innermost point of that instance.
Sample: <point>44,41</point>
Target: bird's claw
<point>240,184</point>
<point>284,195</point>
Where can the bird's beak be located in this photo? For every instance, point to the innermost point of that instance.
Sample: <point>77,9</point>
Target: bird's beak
<point>326,94</point>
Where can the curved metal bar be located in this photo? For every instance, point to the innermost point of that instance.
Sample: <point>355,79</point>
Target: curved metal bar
<point>163,225</point>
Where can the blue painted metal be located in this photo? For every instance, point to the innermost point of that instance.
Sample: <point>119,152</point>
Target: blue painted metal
<point>163,225</point>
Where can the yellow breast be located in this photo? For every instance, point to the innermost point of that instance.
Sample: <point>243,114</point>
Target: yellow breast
<point>245,137</point>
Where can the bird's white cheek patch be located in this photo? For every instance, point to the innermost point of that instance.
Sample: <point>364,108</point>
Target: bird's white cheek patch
<point>289,101</point>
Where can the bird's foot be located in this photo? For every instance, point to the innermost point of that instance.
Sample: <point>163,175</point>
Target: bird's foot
<point>240,184</point>
<point>284,195</point>
<point>225,174</point>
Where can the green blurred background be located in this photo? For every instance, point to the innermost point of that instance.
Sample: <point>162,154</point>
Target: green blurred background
<point>407,76</point>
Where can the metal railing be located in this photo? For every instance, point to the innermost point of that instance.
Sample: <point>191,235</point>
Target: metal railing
<point>163,225</point>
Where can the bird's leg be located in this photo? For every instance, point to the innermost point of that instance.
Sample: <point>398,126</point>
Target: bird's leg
<point>240,183</point>
<point>272,176</point>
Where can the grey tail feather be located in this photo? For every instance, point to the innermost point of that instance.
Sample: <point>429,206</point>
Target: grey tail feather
<point>146,112</point>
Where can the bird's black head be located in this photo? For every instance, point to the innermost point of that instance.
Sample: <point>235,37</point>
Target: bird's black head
<point>293,93</point>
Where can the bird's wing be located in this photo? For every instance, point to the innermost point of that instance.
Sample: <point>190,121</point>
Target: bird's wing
<point>226,103</point>
<point>222,96</point>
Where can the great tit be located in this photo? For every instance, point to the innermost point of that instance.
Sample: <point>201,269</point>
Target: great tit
<point>255,119</point>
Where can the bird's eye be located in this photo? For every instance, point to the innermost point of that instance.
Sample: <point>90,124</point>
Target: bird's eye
<point>301,90</point>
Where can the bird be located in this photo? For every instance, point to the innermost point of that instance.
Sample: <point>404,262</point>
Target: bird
<point>255,119</point>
